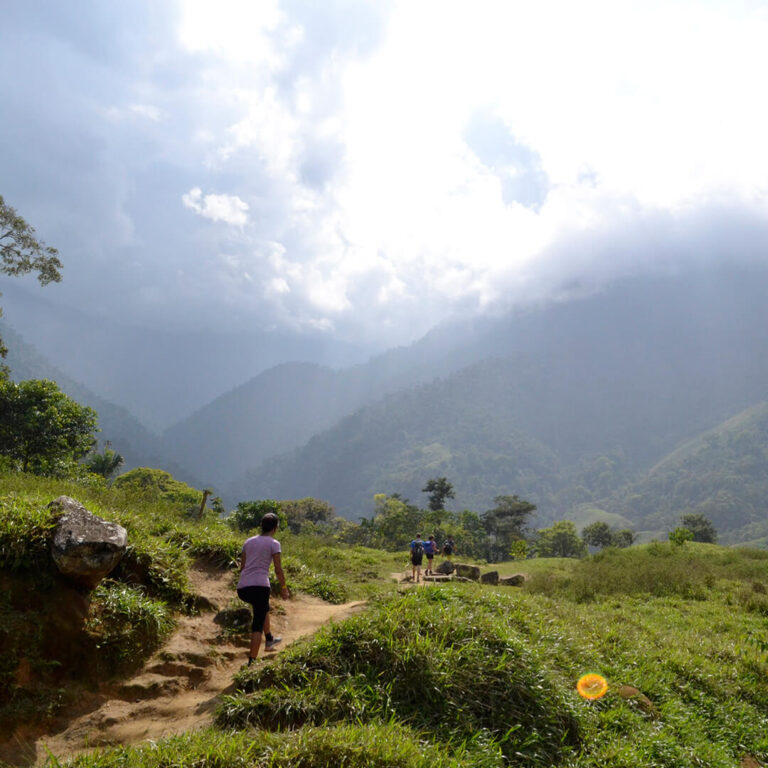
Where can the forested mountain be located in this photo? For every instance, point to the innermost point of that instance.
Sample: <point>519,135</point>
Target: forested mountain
<point>582,398</point>
<point>722,474</point>
<point>137,445</point>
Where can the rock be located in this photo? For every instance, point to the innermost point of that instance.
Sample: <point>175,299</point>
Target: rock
<point>468,571</point>
<point>234,618</point>
<point>513,581</point>
<point>492,577</point>
<point>637,698</point>
<point>446,568</point>
<point>85,548</point>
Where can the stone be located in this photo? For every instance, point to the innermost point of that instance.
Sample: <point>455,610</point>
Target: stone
<point>513,581</point>
<point>446,568</point>
<point>85,548</point>
<point>492,577</point>
<point>468,571</point>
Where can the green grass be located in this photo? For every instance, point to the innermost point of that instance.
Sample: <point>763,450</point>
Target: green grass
<point>342,746</point>
<point>125,626</point>
<point>436,660</point>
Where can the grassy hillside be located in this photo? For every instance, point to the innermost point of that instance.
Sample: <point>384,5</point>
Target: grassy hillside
<point>45,655</point>
<point>464,675</point>
<point>722,474</point>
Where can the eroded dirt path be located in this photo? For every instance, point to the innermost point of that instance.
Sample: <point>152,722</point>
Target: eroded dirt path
<point>178,688</point>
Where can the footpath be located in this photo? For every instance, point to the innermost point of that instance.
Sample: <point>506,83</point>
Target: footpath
<point>177,689</point>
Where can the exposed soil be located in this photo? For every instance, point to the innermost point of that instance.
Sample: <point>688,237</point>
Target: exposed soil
<point>178,688</point>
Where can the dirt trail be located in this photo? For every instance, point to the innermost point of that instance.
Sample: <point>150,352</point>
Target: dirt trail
<point>178,688</point>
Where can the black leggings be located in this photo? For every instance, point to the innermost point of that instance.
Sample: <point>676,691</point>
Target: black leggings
<point>258,597</point>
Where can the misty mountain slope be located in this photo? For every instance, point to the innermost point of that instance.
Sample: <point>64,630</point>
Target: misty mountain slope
<point>617,382</point>
<point>128,436</point>
<point>722,474</point>
<point>699,330</point>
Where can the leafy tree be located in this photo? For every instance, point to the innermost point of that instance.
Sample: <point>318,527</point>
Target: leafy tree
<point>299,512</point>
<point>439,489</point>
<point>41,429</point>
<point>519,550</point>
<point>597,534</point>
<point>21,252</point>
<point>560,540</point>
<point>106,463</point>
<point>701,528</point>
<point>623,538</point>
<point>680,535</point>
<point>247,515</point>
<point>506,523</point>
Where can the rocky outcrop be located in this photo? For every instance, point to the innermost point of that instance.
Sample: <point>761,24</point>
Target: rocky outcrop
<point>445,568</point>
<point>85,548</point>
<point>492,577</point>
<point>468,571</point>
<point>513,581</point>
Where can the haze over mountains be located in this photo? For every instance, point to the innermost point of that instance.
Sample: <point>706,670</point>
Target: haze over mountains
<point>614,405</point>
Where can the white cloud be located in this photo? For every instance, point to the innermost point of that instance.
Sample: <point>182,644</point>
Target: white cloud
<point>228,208</point>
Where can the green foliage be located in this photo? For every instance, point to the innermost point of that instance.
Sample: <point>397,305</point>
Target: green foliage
<point>560,540</point>
<point>623,538</point>
<point>680,535</point>
<point>298,513</point>
<point>701,528</point>
<point>364,745</point>
<point>597,534</point>
<point>21,252</point>
<point>157,485</point>
<point>437,660</point>
<point>26,525</point>
<point>506,523</point>
<point>41,429</point>
<point>438,490</point>
<point>247,515</point>
<point>125,626</point>
<point>104,464</point>
<point>519,550</point>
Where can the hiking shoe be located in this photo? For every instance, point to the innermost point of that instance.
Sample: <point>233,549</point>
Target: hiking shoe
<point>270,644</point>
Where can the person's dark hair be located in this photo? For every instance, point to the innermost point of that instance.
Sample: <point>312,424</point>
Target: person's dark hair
<point>269,522</point>
<point>418,535</point>
<point>431,537</point>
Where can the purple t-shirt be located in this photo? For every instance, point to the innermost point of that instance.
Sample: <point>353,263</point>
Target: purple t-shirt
<point>258,551</point>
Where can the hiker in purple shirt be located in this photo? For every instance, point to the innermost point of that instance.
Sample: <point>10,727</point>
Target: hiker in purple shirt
<point>259,552</point>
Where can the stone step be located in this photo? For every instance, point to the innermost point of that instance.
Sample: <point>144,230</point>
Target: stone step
<point>150,686</point>
<point>193,673</point>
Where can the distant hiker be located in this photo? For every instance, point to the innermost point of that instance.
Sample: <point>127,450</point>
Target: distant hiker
<point>417,553</point>
<point>430,548</point>
<point>449,548</point>
<point>259,552</point>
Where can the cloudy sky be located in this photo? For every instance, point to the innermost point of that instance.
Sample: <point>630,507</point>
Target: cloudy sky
<point>365,169</point>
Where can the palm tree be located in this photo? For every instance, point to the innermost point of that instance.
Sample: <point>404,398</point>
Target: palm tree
<point>105,464</point>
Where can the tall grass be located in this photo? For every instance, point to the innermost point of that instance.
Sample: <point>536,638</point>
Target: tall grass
<point>432,660</point>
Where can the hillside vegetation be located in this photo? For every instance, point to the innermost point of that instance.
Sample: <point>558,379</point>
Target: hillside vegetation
<point>463,675</point>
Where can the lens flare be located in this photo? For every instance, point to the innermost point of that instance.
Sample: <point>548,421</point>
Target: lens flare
<point>592,686</point>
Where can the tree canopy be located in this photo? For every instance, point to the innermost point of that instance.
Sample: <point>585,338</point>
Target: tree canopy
<point>41,429</point>
<point>21,252</point>
<point>439,490</point>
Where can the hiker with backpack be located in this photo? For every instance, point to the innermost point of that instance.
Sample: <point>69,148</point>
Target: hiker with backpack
<point>430,549</point>
<point>449,547</point>
<point>417,554</point>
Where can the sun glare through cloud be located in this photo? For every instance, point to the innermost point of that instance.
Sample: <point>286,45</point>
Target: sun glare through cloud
<point>405,159</point>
